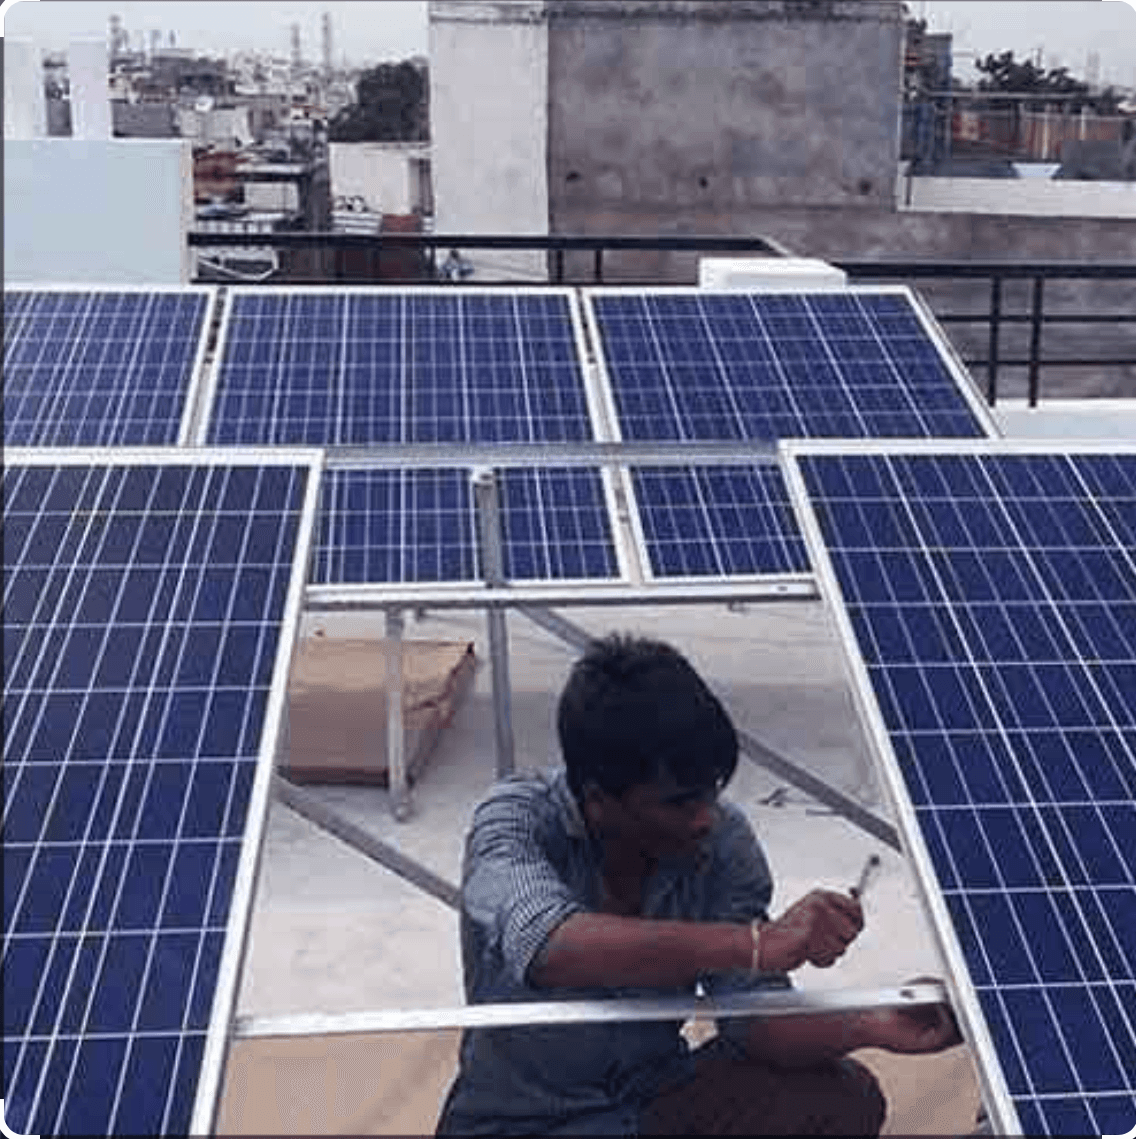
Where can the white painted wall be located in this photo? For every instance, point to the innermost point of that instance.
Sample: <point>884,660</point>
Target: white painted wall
<point>489,125</point>
<point>25,106</point>
<point>1068,419</point>
<point>377,172</point>
<point>226,126</point>
<point>1034,197</point>
<point>273,196</point>
<point>87,68</point>
<point>97,212</point>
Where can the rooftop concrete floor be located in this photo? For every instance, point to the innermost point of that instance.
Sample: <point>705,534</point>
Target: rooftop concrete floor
<point>333,931</point>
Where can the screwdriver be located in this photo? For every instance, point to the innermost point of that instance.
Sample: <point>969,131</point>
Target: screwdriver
<point>870,866</point>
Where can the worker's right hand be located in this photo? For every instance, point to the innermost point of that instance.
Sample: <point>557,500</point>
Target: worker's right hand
<point>817,929</point>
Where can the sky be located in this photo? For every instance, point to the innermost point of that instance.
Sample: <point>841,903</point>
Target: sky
<point>1066,31</point>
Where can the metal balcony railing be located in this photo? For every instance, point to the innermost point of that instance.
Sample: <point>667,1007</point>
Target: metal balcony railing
<point>399,259</point>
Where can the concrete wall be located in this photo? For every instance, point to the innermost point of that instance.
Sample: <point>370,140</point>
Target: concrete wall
<point>113,212</point>
<point>676,106</point>
<point>377,172</point>
<point>489,124</point>
<point>1031,197</point>
<point>25,103</point>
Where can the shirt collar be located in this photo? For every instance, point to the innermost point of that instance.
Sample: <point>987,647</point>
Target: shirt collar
<point>574,823</point>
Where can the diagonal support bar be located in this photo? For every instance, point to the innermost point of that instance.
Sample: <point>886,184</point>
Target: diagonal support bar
<point>311,808</point>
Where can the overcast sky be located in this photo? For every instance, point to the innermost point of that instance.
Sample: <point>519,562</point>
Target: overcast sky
<point>1066,31</point>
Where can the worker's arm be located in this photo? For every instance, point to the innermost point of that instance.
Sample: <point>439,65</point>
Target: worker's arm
<point>806,1041</point>
<point>592,950</point>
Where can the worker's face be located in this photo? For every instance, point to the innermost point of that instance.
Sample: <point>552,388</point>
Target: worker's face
<point>656,819</point>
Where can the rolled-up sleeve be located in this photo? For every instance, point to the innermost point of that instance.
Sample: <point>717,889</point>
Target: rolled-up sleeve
<point>513,894</point>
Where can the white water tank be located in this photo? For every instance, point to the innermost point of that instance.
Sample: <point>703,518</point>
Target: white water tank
<point>772,274</point>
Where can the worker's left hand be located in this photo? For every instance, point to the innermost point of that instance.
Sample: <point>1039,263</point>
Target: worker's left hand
<point>926,1028</point>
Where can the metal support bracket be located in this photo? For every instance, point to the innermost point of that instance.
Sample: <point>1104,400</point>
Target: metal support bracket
<point>486,496</point>
<point>779,1002</point>
<point>396,737</point>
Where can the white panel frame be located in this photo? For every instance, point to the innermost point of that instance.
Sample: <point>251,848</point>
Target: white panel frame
<point>964,999</point>
<point>193,393</point>
<point>240,906</point>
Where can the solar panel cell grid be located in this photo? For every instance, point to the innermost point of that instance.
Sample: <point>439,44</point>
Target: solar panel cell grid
<point>419,525</point>
<point>99,368</point>
<point>362,368</point>
<point>715,521</point>
<point>992,598</point>
<point>725,366</point>
<point>143,606</point>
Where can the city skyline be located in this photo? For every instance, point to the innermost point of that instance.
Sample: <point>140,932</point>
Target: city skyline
<point>363,31</point>
<point>1066,33</point>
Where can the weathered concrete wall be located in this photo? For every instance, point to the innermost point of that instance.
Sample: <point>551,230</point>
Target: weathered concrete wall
<point>1034,197</point>
<point>699,105</point>
<point>488,123</point>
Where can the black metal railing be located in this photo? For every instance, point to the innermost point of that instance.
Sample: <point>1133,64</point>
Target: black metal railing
<point>422,265</point>
<point>1037,274</point>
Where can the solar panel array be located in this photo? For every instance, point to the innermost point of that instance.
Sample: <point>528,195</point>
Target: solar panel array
<point>144,601</point>
<point>992,599</point>
<point>702,366</point>
<point>359,368</point>
<point>99,368</point>
<point>419,525</point>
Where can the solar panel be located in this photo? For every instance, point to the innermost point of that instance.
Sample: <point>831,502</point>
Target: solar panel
<point>991,597</point>
<point>150,600</point>
<point>363,367</point>
<point>716,521</point>
<point>419,525</point>
<point>695,365</point>
<point>700,365</point>
<point>100,367</point>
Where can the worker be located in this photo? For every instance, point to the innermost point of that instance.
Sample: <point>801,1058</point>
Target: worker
<point>627,875</point>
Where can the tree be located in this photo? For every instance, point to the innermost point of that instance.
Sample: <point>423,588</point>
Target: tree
<point>392,105</point>
<point>1004,74</point>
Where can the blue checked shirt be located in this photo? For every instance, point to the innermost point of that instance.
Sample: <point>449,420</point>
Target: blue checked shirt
<point>529,865</point>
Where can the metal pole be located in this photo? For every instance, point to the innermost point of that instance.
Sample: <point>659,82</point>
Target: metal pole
<point>396,755</point>
<point>1035,340</point>
<point>995,330</point>
<point>493,570</point>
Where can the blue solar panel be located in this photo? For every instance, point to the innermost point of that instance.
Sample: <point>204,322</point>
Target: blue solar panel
<point>99,368</point>
<point>719,521</point>
<point>704,366</point>
<point>144,604</point>
<point>419,525</point>
<point>358,368</point>
<point>992,597</point>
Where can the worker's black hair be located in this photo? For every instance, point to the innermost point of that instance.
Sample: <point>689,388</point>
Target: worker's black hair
<point>634,709</point>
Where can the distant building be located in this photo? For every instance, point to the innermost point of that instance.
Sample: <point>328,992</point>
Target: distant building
<point>144,120</point>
